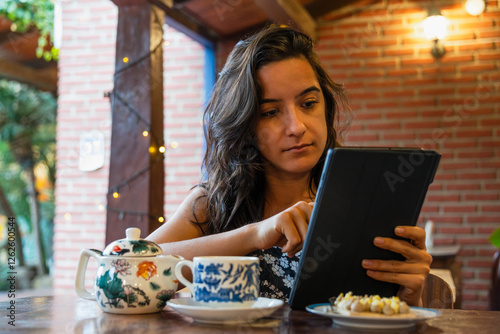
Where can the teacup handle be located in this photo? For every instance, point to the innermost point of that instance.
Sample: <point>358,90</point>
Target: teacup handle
<point>80,274</point>
<point>180,277</point>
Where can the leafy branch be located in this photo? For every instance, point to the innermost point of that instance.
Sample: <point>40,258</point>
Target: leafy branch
<point>26,14</point>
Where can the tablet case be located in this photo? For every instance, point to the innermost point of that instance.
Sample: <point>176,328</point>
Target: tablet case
<point>363,193</point>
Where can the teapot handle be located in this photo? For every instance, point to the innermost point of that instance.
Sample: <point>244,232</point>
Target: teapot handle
<point>80,274</point>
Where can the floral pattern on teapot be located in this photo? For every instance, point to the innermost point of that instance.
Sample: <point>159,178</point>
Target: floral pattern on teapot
<point>133,276</point>
<point>113,293</point>
<point>139,247</point>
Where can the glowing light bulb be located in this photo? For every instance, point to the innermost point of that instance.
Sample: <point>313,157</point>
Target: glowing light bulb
<point>145,133</point>
<point>174,144</point>
<point>116,194</point>
<point>152,149</point>
<point>161,149</point>
<point>435,27</point>
<point>125,59</point>
<point>475,7</point>
<point>161,219</point>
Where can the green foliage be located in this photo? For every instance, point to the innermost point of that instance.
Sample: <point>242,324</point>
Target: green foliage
<point>26,111</point>
<point>4,284</point>
<point>495,238</point>
<point>13,184</point>
<point>27,140</point>
<point>26,14</point>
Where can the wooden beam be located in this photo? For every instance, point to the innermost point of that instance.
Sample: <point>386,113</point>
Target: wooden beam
<point>178,3</point>
<point>321,7</point>
<point>136,169</point>
<point>186,24</point>
<point>44,79</point>
<point>289,12</point>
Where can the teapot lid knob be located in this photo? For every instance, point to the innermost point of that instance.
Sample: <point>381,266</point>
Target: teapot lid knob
<point>133,233</point>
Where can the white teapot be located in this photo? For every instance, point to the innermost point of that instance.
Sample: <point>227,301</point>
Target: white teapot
<point>133,276</point>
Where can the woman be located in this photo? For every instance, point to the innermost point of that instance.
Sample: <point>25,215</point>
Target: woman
<point>272,117</point>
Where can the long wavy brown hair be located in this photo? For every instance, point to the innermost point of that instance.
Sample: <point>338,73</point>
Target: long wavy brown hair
<point>233,166</point>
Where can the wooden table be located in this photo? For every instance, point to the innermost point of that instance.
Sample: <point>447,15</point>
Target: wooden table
<point>70,314</point>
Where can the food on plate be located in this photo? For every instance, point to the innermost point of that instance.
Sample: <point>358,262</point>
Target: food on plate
<point>369,305</point>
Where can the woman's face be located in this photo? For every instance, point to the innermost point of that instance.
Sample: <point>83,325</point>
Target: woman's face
<point>291,129</point>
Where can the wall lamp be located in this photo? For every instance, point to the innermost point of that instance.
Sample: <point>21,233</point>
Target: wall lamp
<point>475,7</point>
<point>435,26</point>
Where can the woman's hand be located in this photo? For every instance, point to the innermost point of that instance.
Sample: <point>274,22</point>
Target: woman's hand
<point>286,229</point>
<point>409,274</point>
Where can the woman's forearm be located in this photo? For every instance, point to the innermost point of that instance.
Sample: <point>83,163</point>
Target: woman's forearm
<point>234,242</point>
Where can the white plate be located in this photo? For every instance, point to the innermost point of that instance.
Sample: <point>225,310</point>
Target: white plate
<point>376,321</point>
<point>225,315</point>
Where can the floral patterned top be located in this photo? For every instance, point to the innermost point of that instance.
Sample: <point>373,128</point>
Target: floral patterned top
<point>277,272</point>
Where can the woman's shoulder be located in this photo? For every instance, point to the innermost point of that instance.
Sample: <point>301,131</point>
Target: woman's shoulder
<point>196,201</point>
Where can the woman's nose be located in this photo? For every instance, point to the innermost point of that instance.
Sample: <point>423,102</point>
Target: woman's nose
<point>294,124</point>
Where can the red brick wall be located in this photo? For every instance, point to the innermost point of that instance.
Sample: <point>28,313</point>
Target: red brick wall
<point>86,68</point>
<point>402,96</point>
<point>183,101</point>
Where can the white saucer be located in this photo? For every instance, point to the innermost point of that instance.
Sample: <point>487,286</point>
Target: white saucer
<point>376,321</point>
<point>225,315</point>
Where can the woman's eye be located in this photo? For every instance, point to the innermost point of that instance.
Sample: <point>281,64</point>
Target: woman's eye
<point>269,113</point>
<point>309,104</point>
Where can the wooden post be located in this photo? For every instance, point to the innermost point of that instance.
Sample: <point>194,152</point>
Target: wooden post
<point>136,166</point>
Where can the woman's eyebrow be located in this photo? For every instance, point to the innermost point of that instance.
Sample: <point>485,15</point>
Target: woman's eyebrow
<point>305,91</point>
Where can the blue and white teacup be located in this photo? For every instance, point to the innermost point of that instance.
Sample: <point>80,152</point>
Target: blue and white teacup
<point>222,281</point>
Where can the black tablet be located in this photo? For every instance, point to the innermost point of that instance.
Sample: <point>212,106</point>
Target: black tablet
<point>363,193</point>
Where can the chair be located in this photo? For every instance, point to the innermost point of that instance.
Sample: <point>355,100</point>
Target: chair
<point>437,293</point>
<point>495,283</point>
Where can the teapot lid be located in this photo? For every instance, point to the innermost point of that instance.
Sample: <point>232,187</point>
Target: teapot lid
<point>132,245</point>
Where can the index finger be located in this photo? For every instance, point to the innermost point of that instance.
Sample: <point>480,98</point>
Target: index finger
<point>306,209</point>
<point>415,234</point>
<point>300,215</point>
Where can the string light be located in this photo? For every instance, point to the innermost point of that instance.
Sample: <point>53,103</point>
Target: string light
<point>114,189</point>
<point>125,60</point>
<point>161,149</point>
<point>116,194</point>
<point>145,133</point>
<point>174,145</point>
<point>122,213</point>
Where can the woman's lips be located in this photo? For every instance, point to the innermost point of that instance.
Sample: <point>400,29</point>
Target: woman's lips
<point>298,148</point>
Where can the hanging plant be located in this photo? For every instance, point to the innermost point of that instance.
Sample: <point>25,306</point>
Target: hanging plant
<point>495,238</point>
<point>26,14</point>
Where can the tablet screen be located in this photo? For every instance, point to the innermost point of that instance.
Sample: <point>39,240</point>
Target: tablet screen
<point>363,193</point>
